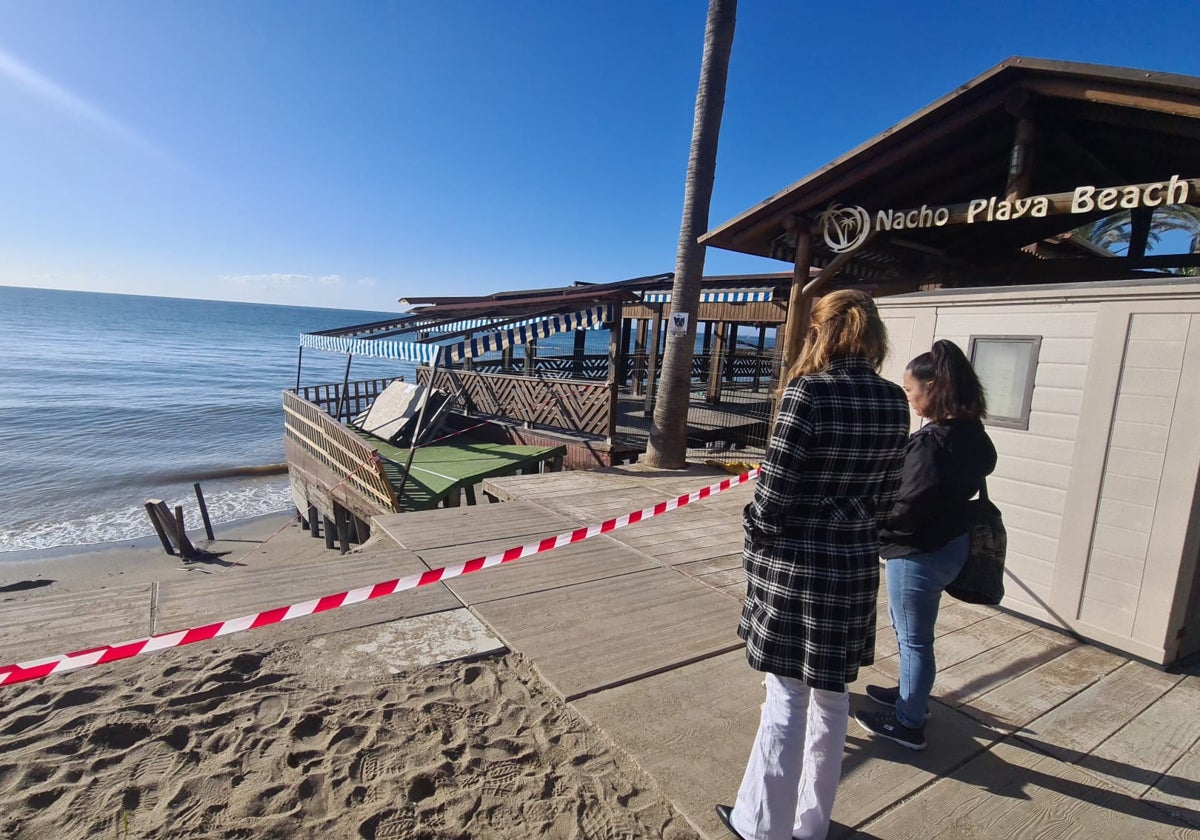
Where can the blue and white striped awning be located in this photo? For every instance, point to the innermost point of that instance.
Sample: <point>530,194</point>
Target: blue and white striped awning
<point>423,353</point>
<point>726,296</point>
<point>483,323</point>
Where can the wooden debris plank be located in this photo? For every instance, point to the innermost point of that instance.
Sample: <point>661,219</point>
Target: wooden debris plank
<point>1013,791</point>
<point>1090,717</point>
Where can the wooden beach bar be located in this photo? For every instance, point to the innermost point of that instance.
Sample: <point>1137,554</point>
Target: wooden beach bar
<point>966,220</point>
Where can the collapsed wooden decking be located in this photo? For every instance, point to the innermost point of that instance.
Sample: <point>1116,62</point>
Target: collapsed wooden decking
<point>347,477</point>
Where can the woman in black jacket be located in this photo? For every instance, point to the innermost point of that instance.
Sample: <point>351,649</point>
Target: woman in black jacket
<point>924,538</point>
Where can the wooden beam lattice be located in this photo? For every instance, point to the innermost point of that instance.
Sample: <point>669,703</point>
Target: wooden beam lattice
<point>556,403</point>
<point>338,449</point>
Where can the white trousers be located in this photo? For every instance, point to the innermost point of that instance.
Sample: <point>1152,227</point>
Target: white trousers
<point>795,764</point>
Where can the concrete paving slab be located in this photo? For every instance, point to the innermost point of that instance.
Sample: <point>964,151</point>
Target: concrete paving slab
<point>375,652</point>
<point>603,633</point>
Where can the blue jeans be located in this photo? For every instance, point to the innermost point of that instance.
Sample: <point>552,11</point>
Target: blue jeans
<point>914,587</point>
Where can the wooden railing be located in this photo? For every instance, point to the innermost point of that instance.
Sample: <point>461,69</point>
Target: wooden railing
<point>567,404</point>
<point>358,397</point>
<point>338,449</point>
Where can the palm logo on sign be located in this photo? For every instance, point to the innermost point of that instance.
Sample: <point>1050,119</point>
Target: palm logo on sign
<point>844,228</point>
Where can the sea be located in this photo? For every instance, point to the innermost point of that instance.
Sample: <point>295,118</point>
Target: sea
<point>108,400</point>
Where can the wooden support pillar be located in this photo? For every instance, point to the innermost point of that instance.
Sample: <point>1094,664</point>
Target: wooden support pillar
<point>1020,159</point>
<point>616,363</point>
<point>652,362</point>
<point>577,354</point>
<point>530,356</point>
<point>506,358</point>
<point>762,345</point>
<point>314,526</point>
<point>639,348</point>
<point>626,340</point>
<point>730,353</point>
<point>797,312</point>
<point>329,531</point>
<point>1139,232</point>
<point>716,362</point>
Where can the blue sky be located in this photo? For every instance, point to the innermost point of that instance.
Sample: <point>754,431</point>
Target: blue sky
<point>346,154</point>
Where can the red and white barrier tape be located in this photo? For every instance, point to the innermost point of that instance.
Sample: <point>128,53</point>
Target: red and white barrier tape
<point>39,668</point>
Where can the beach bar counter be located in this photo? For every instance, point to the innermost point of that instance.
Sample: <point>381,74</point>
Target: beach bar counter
<point>974,220</point>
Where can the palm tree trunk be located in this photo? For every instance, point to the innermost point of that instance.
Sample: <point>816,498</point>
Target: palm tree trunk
<point>668,433</point>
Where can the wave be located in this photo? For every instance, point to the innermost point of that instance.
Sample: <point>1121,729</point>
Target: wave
<point>245,471</point>
<point>250,499</point>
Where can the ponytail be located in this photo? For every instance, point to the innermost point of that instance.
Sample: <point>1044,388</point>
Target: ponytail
<point>953,386</point>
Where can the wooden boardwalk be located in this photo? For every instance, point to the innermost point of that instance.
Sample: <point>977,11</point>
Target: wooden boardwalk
<point>1034,734</point>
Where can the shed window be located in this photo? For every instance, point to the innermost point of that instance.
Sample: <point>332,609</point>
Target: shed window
<point>1006,365</point>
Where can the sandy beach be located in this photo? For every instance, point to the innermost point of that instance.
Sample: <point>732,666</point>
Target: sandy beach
<point>270,734</point>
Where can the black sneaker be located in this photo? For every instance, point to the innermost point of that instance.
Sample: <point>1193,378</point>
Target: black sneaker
<point>885,725</point>
<point>889,696</point>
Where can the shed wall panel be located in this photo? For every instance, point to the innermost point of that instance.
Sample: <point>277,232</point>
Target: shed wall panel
<point>1137,450</point>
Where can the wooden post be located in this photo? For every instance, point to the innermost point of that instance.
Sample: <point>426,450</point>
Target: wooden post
<point>530,355</point>
<point>616,362</point>
<point>345,384</point>
<point>797,316</point>
<point>181,535</point>
<point>314,527</point>
<point>762,344</point>
<point>652,362</point>
<point>731,354</point>
<point>1019,183</point>
<point>577,354</point>
<point>343,528</point>
<point>639,347</point>
<point>1139,232</point>
<point>715,364</point>
<point>151,504</point>
<point>626,340</point>
<point>329,531</point>
<point>208,531</point>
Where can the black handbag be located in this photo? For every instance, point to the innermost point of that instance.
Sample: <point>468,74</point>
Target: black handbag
<point>981,580</point>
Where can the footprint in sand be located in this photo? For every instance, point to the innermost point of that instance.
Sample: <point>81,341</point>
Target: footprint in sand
<point>271,710</point>
<point>500,779</point>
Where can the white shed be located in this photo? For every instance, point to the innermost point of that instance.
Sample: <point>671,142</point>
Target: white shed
<point>1091,358</point>
<point>1096,401</point>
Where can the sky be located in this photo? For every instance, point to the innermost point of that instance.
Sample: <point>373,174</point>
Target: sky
<point>349,154</point>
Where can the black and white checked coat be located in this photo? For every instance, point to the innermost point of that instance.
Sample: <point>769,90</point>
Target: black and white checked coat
<point>811,552</point>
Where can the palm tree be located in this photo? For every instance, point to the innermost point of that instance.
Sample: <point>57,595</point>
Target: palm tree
<point>668,433</point>
<point>1115,232</point>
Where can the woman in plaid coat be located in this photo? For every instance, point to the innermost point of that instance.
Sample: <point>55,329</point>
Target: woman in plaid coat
<point>812,568</point>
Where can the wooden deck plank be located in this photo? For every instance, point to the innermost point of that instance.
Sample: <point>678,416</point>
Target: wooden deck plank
<point>963,682</point>
<point>461,526</point>
<point>49,625</point>
<point>593,560</point>
<point>1178,790</point>
<point>1015,704</point>
<point>962,643</point>
<point>194,602</point>
<point>1075,728</point>
<point>603,633</point>
<point>1136,756</point>
<point>1014,791</point>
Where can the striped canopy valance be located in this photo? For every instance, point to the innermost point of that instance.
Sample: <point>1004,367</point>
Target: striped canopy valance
<point>419,352</point>
<point>726,296</point>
